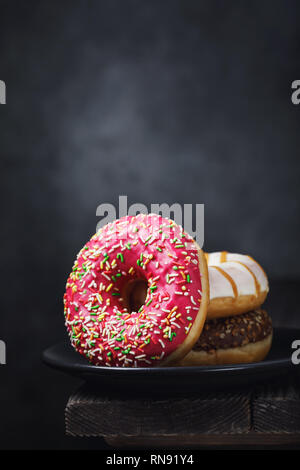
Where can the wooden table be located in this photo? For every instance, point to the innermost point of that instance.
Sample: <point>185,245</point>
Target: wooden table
<point>268,415</point>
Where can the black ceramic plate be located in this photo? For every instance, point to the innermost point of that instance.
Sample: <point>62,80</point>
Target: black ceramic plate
<point>278,363</point>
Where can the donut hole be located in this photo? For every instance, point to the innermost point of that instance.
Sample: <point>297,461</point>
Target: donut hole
<point>134,294</point>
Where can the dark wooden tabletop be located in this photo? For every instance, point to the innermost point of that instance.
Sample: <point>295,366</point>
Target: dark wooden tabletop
<point>268,415</point>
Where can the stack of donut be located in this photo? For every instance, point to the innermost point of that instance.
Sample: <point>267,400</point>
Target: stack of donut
<point>143,294</point>
<point>237,329</point>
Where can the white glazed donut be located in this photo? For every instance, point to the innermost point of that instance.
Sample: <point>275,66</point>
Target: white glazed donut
<point>237,283</point>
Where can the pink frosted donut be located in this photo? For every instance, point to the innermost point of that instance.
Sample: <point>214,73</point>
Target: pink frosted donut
<point>120,258</point>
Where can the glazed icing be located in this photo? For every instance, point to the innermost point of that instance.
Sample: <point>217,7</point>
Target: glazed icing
<point>145,247</point>
<point>232,274</point>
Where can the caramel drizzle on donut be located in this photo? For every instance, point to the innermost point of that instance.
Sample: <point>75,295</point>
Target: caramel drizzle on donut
<point>229,278</point>
<point>223,256</point>
<point>258,265</point>
<point>257,285</point>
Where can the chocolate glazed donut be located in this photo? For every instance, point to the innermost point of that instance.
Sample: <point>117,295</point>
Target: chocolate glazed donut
<point>236,339</point>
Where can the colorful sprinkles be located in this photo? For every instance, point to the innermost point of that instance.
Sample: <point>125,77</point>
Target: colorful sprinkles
<point>100,325</point>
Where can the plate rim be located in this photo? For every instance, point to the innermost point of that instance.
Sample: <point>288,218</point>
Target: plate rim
<point>210,369</point>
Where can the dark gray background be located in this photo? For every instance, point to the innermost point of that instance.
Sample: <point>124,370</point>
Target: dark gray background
<point>163,101</point>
